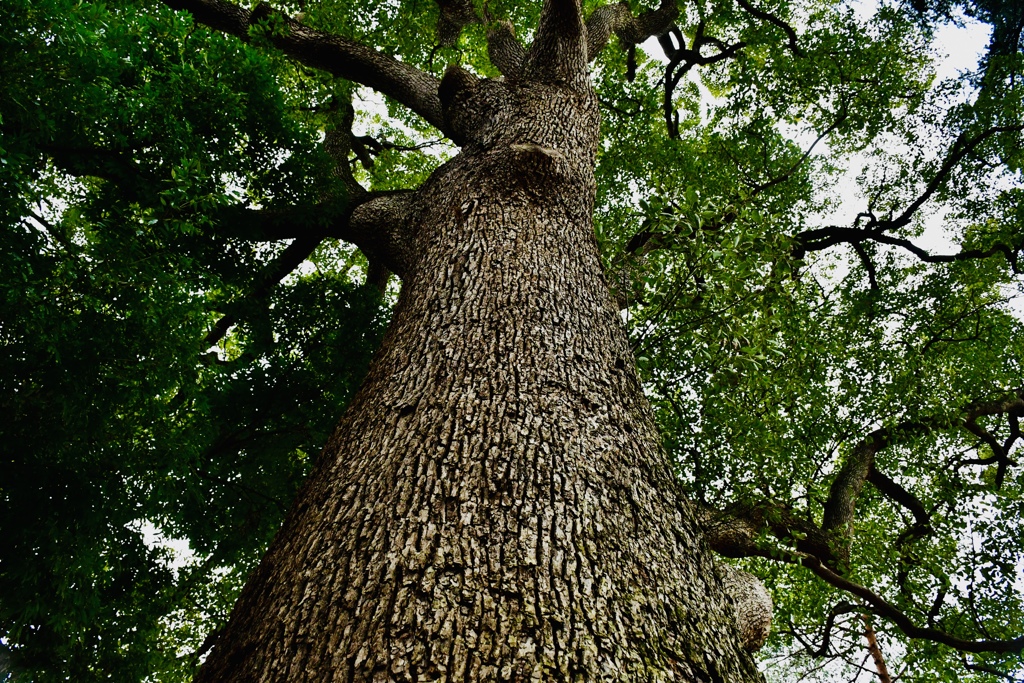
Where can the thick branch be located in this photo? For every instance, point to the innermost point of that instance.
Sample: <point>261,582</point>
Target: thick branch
<point>899,495</point>
<point>338,141</point>
<point>54,232</point>
<point>558,53</point>
<point>344,58</point>
<point>618,19</point>
<point>826,633</point>
<point>380,228</point>
<point>463,119</point>
<point>99,162</point>
<point>838,515</point>
<point>238,221</point>
<point>823,238</point>
<point>738,531</point>
<point>377,226</point>
<point>842,498</point>
<point>504,49</point>
<point>878,605</point>
<point>453,16</point>
<point>377,223</point>
<point>314,221</point>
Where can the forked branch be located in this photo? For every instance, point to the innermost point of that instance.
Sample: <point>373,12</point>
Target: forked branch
<point>287,261</point>
<point>859,468</point>
<point>875,229</point>
<point>682,59</point>
<point>741,530</point>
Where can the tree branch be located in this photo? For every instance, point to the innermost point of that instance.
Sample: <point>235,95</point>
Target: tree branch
<point>875,229</point>
<point>504,49</point>
<point>338,143</point>
<point>837,519</point>
<point>558,53</point>
<point>54,232</point>
<point>682,59</point>
<point>826,632</point>
<point>883,608</point>
<point>751,602</point>
<point>99,162</point>
<point>838,515</point>
<point>272,225</point>
<point>897,494</point>
<point>823,238</point>
<point>988,670</point>
<point>875,651</point>
<point>960,149</point>
<point>786,175</point>
<point>618,19</point>
<point>339,56</point>
<point>868,264</point>
<point>376,223</point>
<point>775,21</point>
<point>738,531</point>
<point>287,261</point>
<point>453,15</point>
<point>380,227</point>
<point>878,605</point>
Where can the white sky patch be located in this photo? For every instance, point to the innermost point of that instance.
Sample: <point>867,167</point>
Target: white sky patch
<point>180,551</point>
<point>960,48</point>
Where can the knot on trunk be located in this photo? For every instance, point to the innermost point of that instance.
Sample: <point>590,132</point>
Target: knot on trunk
<point>752,604</point>
<point>537,165</point>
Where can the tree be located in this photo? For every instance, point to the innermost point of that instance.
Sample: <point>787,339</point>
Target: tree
<point>838,405</point>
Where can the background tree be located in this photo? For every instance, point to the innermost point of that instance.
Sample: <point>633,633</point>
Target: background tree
<point>842,400</point>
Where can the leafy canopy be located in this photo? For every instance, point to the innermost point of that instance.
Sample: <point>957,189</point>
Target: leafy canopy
<point>181,326</point>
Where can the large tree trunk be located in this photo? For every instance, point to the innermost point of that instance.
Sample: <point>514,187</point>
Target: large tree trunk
<point>494,504</point>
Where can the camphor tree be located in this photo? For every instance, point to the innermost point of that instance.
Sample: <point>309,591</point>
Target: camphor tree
<point>635,334</point>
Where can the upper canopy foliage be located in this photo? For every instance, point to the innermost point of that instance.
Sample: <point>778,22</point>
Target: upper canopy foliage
<point>839,375</point>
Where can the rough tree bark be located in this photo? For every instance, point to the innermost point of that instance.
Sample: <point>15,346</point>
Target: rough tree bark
<point>494,505</point>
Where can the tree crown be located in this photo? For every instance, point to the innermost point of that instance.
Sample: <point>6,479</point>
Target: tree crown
<point>194,287</point>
